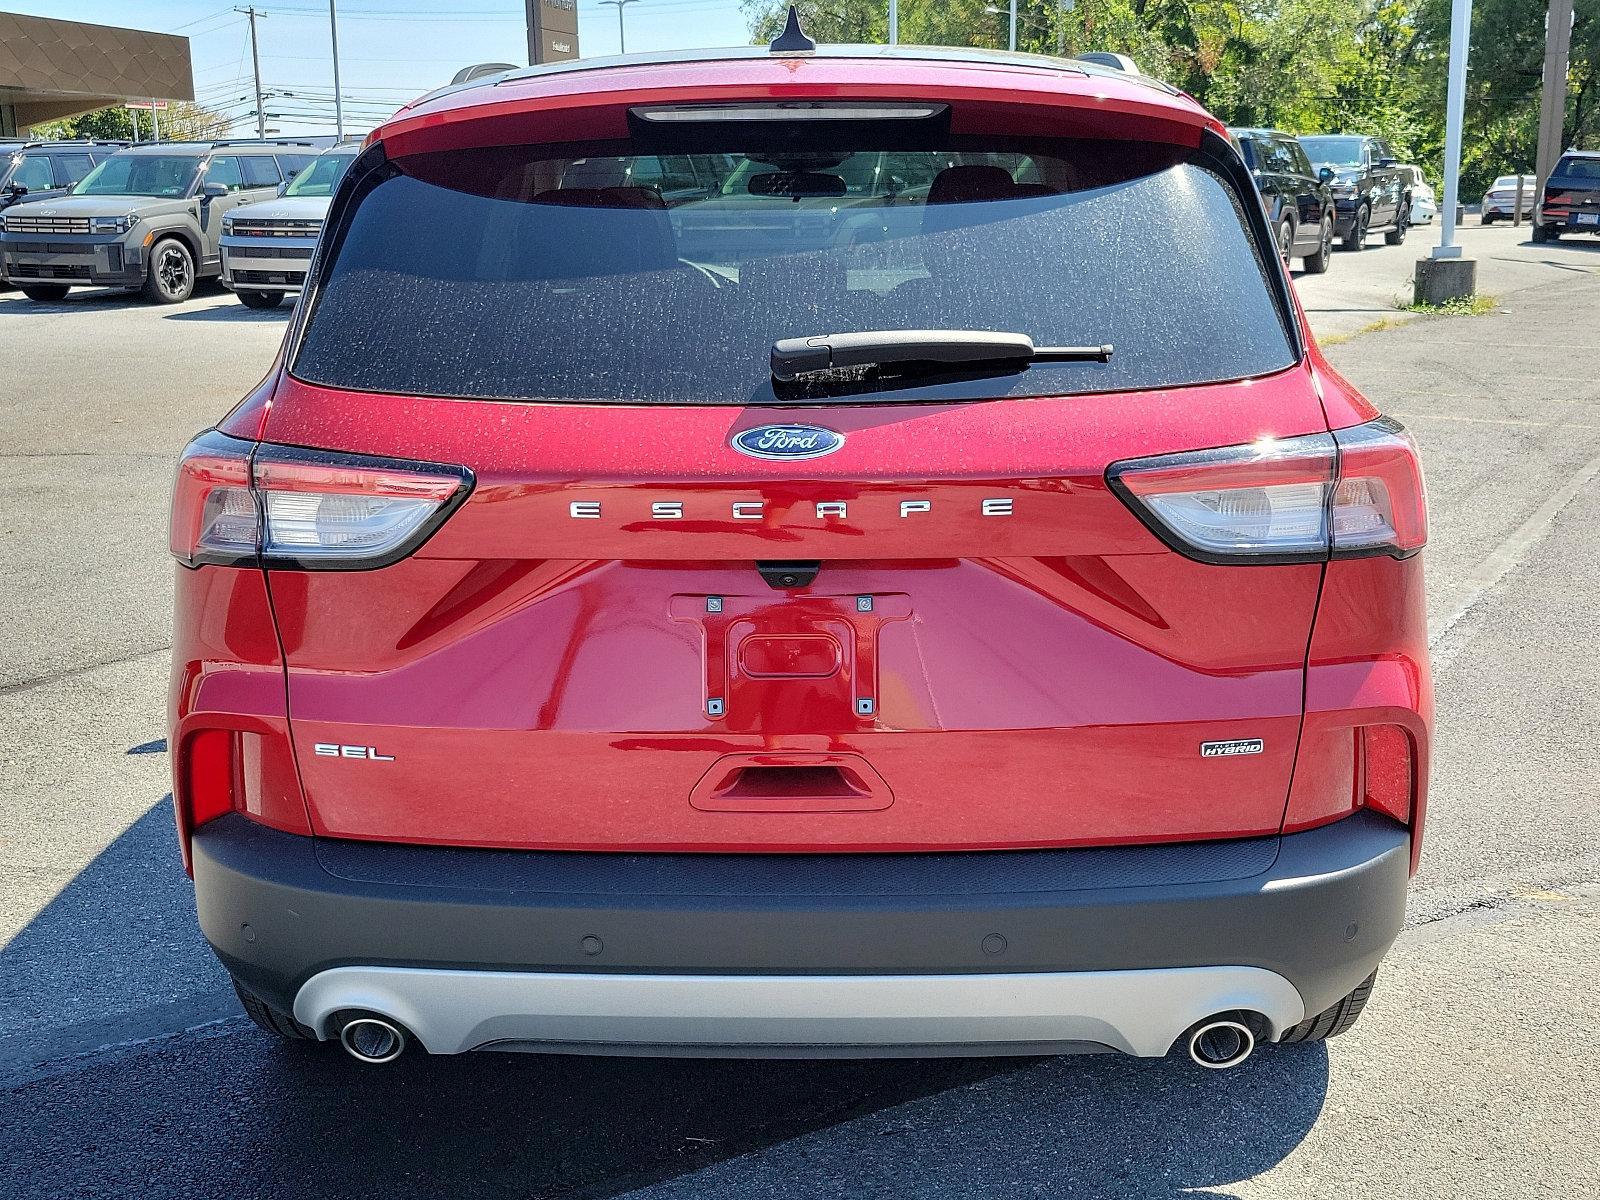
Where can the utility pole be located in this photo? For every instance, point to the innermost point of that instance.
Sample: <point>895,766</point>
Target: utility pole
<point>338,100</point>
<point>1553,96</point>
<point>255,59</point>
<point>1013,24</point>
<point>894,22</point>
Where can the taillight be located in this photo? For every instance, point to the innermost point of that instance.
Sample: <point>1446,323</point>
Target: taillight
<point>1354,492</point>
<point>207,783</point>
<point>213,513</point>
<point>1380,502</point>
<point>280,506</point>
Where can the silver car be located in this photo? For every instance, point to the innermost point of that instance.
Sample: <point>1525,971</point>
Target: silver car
<point>267,246</point>
<point>1501,199</point>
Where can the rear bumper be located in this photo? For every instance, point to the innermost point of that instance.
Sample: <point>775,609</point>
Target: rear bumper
<point>978,952</point>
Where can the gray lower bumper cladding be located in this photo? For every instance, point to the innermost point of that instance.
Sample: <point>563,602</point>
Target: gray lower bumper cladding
<point>994,952</point>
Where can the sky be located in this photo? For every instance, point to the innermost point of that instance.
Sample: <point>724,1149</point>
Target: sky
<point>390,51</point>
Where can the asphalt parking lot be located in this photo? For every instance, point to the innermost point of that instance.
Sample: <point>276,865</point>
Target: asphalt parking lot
<point>1475,1072</point>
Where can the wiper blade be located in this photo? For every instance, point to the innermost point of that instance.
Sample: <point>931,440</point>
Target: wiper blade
<point>792,357</point>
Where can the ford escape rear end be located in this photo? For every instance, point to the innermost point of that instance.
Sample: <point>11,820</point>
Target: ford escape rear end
<point>801,553</point>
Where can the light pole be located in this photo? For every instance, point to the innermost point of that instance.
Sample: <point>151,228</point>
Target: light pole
<point>995,10</point>
<point>338,102</point>
<point>1455,105</point>
<point>1445,275</point>
<point>894,22</point>
<point>622,33</point>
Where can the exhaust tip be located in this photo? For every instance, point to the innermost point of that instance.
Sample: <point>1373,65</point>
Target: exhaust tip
<point>1220,1043</point>
<point>373,1039</point>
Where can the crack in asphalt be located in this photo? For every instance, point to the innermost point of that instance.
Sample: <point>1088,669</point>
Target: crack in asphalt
<point>37,681</point>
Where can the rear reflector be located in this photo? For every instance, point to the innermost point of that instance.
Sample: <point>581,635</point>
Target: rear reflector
<point>207,783</point>
<point>1355,492</point>
<point>236,503</point>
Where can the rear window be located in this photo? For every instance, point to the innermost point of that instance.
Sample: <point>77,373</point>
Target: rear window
<point>1578,168</point>
<point>600,274</point>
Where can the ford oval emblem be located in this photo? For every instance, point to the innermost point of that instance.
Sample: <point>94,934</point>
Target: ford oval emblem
<point>787,441</point>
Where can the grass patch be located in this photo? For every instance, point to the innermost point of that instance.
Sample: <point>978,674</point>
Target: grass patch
<point>1468,306</point>
<point>1378,326</point>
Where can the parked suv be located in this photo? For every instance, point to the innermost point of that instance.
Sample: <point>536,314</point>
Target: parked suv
<point>1299,204</point>
<point>1571,200</point>
<point>1371,190</point>
<point>267,247</point>
<point>148,217</point>
<point>965,639</point>
<point>41,170</point>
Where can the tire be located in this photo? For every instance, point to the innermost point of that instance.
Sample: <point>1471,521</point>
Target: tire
<point>1317,264</point>
<point>169,279</point>
<point>1286,239</point>
<point>279,1024</point>
<point>1486,219</point>
<point>1336,1019</point>
<point>259,299</point>
<point>1356,239</point>
<point>46,293</point>
<point>1397,235</point>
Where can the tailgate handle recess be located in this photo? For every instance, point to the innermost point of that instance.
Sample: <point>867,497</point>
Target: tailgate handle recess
<point>798,781</point>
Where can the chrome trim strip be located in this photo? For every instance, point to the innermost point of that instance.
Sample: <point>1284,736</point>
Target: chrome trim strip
<point>1138,1012</point>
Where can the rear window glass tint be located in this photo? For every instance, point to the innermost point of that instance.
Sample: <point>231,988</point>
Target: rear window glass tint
<point>1579,168</point>
<point>558,275</point>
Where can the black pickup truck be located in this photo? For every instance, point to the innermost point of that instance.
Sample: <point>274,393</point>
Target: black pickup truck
<point>1370,191</point>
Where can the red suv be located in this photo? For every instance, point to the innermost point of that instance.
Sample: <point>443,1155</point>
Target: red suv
<point>786,552</point>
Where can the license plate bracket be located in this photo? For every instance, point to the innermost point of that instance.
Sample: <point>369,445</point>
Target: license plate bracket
<point>795,664</point>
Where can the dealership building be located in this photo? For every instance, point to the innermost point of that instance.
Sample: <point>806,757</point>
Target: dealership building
<point>51,69</point>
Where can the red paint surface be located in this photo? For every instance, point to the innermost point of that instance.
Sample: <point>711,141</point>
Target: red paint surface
<point>1039,679</point>
<point>983,96</point>
<point>1042,679</point>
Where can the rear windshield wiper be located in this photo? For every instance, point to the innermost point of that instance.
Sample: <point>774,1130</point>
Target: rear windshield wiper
<point>792,357</point>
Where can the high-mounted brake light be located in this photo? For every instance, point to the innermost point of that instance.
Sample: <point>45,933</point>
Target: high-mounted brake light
<point>787,110</point>
<point>235,503</point>
<point>1350,493</point>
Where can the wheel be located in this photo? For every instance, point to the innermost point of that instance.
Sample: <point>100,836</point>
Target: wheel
<point>1397,235</point>
<point>1356,239</point>
<point>1545,233</point>
<point>170,277</point>
<point>1488,219</point>
<point>259,299</point>
<point>1336,1019</point>
<point>1286,238</point>
<point>279,1024</point>
<point>1317,264</point>
<point>45,293</point>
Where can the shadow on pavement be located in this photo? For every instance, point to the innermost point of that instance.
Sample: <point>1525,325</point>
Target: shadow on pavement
<point>229,1111</point>
<point>235,311</point>
<point>115,956</point>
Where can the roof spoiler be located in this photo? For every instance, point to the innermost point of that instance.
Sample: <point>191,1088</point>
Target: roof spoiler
<point>1105,58</point>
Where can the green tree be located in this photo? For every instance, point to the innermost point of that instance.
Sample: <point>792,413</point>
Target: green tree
<point>180,121</point>
<point>102,123</point>
<point>1308,66</point>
